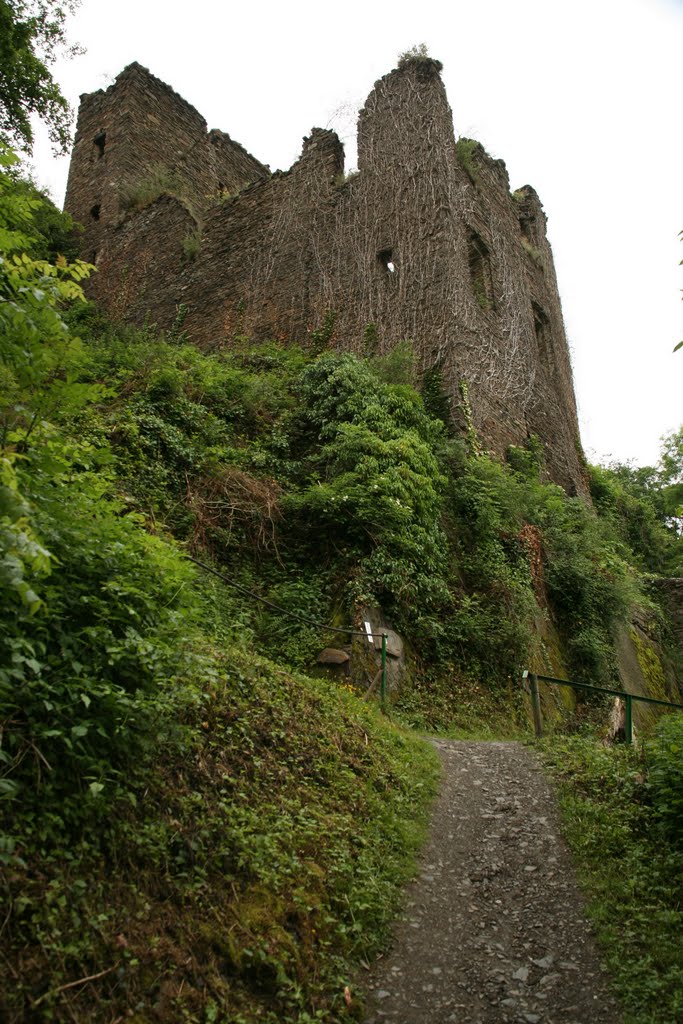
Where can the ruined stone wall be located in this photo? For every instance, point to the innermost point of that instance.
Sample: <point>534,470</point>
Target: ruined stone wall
<point>140,137</point>
<point>472,285</point>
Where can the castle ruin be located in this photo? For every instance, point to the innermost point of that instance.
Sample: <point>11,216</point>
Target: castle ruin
<point>426,242</point>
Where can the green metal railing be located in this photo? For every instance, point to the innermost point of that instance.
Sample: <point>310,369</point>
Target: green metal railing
<point>628,698</point>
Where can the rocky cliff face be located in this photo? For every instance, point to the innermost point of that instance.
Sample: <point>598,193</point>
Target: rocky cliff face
<point>425,243</point>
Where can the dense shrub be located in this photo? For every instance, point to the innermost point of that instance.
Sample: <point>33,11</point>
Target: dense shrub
<point>666,777</point>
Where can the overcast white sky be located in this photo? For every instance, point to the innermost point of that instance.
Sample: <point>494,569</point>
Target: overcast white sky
<point>581,98</point>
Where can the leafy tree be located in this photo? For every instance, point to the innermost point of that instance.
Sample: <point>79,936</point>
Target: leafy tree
<point>36,346</point>
<point>671,465</point>
<point>32,36</point>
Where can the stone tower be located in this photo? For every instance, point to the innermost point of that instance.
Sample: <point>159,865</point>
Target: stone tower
<point>426,242</point>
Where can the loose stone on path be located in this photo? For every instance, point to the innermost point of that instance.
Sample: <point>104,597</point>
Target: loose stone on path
<point>493,930</point>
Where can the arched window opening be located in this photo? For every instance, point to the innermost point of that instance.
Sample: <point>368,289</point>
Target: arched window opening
<point>95,211</point>
<point>99,142</point>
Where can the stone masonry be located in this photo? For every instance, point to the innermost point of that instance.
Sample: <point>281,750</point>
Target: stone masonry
<point>426,242</point>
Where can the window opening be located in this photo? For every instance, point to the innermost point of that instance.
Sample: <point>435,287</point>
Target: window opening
<point>386,259</point>
<point>542,329</point>
<point>480,270</point>
<point>99,142</point>
<point>95,211</point>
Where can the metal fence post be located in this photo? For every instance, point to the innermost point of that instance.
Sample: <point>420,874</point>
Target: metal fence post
<point>383,684</point>
<point>536,704</point>
<point>628,724</point>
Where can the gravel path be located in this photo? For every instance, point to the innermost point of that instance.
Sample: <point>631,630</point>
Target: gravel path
<point>493,931</point>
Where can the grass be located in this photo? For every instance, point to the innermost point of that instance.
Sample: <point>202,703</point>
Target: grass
<point>630,872</point>
<point>191,244</point>
<point>246,874</point>
<point>135,195</point>
<point>467,151</point>
<point>461,708</point>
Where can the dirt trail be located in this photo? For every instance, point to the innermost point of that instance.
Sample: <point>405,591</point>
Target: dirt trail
<point>493,931</point>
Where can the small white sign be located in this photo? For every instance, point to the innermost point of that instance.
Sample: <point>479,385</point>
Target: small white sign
<point>368,630</point>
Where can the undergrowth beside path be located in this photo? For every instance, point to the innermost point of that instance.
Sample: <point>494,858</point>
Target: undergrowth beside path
<point>622,809</point>
<point>237,878</point>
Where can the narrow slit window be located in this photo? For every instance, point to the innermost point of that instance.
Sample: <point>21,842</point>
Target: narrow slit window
<point>95,211</point>
<point>480,270</point>
<point>100,142</point>
<point>543,339</point>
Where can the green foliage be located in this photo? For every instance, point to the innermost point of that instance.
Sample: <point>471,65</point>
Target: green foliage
<point>631,876</point>
<point>321,337</point>
<point>81,678</point>
<point>192,243</point>
<point>375,478</point>
<point>330,473</point>
<point>436,401</point>
<point>370,340</point>
<point>138,193</point>
<point>39,357</point>
<point>32,36</point>
<point>467,152</point>
<point>418,54</point>
<point>397,366</point>
<point>53,231</point>
<point>489,627</point>
<point>642,506</point>
<point>466,406</point>
<point>590,585</point>
<point>22,555</point>
<point>528,460</point>
<point>666,778</point>
<point>270,849</point>
<point>671,477</point>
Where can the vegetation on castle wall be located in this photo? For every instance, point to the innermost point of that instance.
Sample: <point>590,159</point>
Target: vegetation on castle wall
<point>356,495</point>
<point>418,54</point>
<point>138,193</point>
<point>466,152</point>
